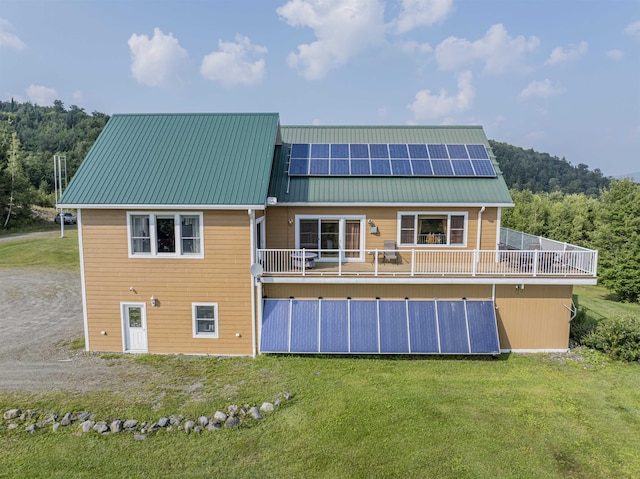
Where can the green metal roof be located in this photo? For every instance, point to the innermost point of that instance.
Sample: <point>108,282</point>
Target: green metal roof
<point>177,160</point>
<point>385,190</point>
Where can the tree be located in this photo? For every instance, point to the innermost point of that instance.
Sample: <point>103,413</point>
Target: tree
<point>617,238</point>
<point>16,193</point>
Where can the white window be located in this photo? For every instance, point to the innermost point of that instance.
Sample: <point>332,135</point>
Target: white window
<point>330,237</point>
<point>165,234</point>
<point>205,320</point>
<point>432,229</point>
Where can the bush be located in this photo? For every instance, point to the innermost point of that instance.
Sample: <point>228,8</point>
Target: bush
<point>582,325</point>
<point>619,337</point>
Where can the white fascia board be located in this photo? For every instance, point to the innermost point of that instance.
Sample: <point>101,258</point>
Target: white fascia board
<point>415,280</point>
<point>397,205</point>
<point>159,207</point>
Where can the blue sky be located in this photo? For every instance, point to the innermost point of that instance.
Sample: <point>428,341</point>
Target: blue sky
<point>558,76</point>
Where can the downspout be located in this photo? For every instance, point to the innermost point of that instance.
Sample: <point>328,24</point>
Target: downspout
<point>479,227</point>
<point>252,246</point>
<point>259,281</point>
<point>83,281</point>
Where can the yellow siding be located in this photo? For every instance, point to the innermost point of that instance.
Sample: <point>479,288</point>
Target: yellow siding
<point>535,317</point>
<point>281,234</point>
<point>221,277</point>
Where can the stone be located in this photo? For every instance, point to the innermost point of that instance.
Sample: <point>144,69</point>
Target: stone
<point>86,425</point>
<point>188,426</point>
<point>286,395</point>
<point>232,422</point>
<point>66,420</point>
<point>203,421</point>
<point>266,407</point>
<point>175,420</point>
<point>254,412</point>
<point>83,416</point>
<point>116,426</point>
<point>12,414</point>
<point>163,421</point>
<point>242,411</point>
<point>130,424</point>
<point>101,427</point>
<point>144,424</point>
<point>214,426</point>
<point>13,425</point>
<point>233,410</point>
<point>31,428</point>
<point>51,419</point>
<point>277,402</point>
<point>198,429</point>
<point>139,437</point>
<point>219,416</point>
<point>55,426</point>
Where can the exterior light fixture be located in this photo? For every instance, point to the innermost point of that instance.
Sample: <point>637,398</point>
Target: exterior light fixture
<point>153,301</point>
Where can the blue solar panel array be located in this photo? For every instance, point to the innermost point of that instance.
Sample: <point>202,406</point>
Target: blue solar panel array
<point>382,159</point>
<point>379,326</point>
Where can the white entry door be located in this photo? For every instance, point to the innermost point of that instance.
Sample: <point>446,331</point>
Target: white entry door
<point>134,327</point>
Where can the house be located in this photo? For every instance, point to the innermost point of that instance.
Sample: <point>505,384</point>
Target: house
<point>230,234</point>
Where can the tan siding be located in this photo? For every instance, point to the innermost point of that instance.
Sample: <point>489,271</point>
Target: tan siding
<point>535,317</point>
<point>281,234</point>
<point>222,277</point>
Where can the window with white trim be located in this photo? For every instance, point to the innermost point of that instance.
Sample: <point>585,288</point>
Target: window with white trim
<point>205,320</point>
<point>165,234</point>
<point>432,229</point>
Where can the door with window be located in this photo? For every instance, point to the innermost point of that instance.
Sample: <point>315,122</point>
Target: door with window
<point>134,322</point>
<point>331,237</point>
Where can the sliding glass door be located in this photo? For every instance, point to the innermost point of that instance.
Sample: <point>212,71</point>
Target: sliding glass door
<point>331,236</point>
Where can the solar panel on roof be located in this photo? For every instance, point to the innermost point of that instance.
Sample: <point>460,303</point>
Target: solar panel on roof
<point>457,151</point>
<point>359,150</point>
<point>398,151</point>
<point>320,150</point>
<point>298,166</point>
<point>441,167</point>
<point>380,167</point>
<point>360,167</point>
<point>379,150</point>
<point>339,167</point>
<point>418,151</point>
<point>437,151</point>
<point>300,150</point>
<point>339,150</point>
<point>483,168</point>
<point>478,152</point>
<point>401,167</point>
<point>318,167</point>
<point>462,168</point>
<point>395,159</point>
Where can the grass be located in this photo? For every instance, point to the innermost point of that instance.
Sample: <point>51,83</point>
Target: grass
<point>41,252</point>
<point>517,416</point>
<point>599,303</point>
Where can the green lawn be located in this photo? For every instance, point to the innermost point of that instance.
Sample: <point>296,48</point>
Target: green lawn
<point>538,416</point>
<point>48,252</point>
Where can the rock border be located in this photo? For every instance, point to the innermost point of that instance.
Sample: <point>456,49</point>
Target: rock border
<point>230,418</point>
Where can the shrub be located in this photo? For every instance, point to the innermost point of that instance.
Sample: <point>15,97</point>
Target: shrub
<point>582,325</point>
<point>619,337</point>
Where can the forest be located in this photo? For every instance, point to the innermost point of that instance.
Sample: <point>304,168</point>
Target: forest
<point>552,197</point>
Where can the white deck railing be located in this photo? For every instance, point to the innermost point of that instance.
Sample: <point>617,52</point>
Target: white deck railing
<point>429,262</point>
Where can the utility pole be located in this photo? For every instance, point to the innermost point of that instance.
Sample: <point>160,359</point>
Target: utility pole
<point>59,162</point>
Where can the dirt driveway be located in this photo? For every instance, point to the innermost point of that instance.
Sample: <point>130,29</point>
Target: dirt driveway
<point>40,315</point>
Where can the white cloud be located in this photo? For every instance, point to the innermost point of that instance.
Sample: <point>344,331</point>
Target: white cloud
<point>418,13</point>
<point>156,61</point>
<point>428,106</point>
<point>41,95</point>
<point>77,97</point>
<point>633,29</point>
<point>9,39</point>
<point>412,47</point>
<point>540,89</point>
<point>573,52</point>
<point>343,28</point>
<point>615,54</point>
<point>497,50</point>
<point>235,63</point>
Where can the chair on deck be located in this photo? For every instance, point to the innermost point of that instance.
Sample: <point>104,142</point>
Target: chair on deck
<point>390,252</point>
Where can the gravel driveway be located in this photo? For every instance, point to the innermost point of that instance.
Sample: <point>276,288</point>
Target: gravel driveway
<point>40,315</point>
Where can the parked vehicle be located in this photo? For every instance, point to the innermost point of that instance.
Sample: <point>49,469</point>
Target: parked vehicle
<point>69,218</point>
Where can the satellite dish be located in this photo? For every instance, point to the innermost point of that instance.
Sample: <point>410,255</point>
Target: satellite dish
<point>256,270</point>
